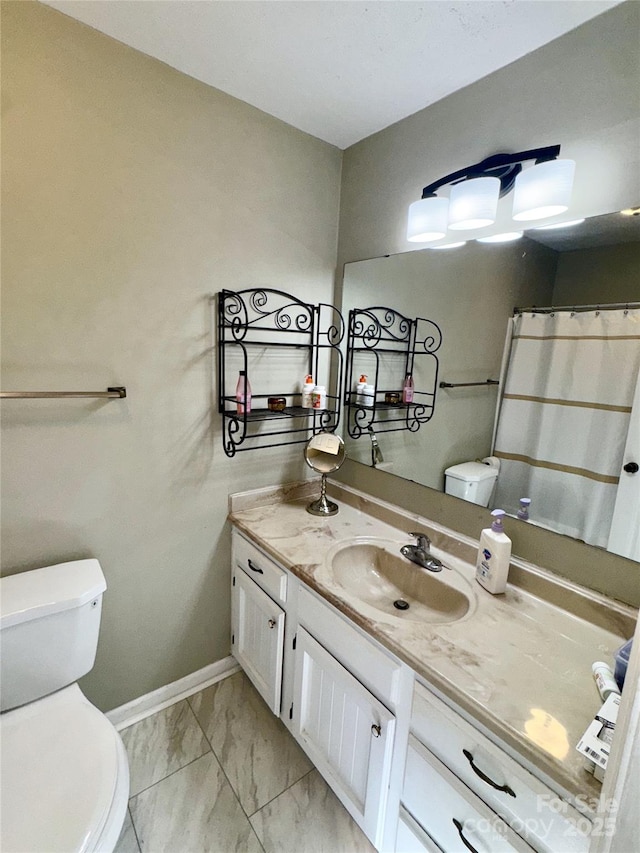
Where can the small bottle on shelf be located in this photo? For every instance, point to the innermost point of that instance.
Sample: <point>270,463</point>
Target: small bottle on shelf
<point>319,397</point>
<point>360,386</point>
<point>307,392</point>
<point>407,389</point>
<point>243,394</point>
<point>369,396</point>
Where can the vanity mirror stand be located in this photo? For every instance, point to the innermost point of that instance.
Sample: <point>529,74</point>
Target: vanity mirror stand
<point>324,454</point>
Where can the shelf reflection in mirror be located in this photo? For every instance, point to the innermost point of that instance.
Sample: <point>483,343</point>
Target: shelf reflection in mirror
<point>471,294</point>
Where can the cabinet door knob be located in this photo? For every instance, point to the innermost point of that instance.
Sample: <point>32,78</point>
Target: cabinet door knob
<point>631,468</point>
<point>272,623</point>
<point>376,730</point>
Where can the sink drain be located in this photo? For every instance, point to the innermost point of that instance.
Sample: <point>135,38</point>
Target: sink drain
<point>401,604</point>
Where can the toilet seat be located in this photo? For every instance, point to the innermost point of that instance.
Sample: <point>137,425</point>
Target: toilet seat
<point>65,780</point>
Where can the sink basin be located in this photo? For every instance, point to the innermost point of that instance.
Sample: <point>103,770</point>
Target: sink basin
<point>375,573</point>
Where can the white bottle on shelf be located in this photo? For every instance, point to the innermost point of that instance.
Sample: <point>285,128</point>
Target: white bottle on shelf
<point>360,386</point>
<point>319,397</point>
<point>369,396</point>
<point>494,555</point>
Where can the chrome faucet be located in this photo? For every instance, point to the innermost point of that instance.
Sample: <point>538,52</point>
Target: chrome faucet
<point>420,553</point>
<point>376,453</point>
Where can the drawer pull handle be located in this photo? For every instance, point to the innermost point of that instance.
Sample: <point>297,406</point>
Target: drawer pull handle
<point>254,568</point>
<point>376,730</point>
<point>272,623</point>
<point>466,843</point>
<point>484,777</point>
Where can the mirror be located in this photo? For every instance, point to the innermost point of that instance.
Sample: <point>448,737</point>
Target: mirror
<point>471,293</point>
<point>324,453</point>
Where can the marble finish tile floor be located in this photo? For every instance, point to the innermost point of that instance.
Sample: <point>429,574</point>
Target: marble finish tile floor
<point>218,773</point>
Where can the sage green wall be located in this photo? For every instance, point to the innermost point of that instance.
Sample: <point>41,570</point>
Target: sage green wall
<point>581,91</point>
<point>130,193</point>
<point>584,275</point>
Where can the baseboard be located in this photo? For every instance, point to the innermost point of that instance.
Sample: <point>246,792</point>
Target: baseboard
<point>157,700</point>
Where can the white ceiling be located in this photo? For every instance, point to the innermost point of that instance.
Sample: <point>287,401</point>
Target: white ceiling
<point>337,69</point>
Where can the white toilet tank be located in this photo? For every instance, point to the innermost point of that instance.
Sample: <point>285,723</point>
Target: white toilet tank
<point>471,481</point>
<point>49,623</point>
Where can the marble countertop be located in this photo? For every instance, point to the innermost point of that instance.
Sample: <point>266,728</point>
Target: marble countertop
<point>519,663</point>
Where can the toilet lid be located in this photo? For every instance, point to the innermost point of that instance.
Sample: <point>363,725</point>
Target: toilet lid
<point>60,764</point>
<point>472,472</point>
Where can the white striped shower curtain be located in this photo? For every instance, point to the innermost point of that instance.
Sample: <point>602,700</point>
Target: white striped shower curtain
<point>564,417</point>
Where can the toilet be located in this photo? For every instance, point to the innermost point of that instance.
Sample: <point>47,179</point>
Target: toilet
<point>65,776</point>
<point>471,481</point>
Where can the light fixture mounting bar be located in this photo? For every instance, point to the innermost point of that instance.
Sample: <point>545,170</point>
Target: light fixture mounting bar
<point>506,167</point>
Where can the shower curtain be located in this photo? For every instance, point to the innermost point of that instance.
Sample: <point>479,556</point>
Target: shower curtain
<point>564,417</point>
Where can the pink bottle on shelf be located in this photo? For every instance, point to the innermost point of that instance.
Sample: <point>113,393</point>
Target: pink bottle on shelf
<point>407,389</point>
<point>243,394</point>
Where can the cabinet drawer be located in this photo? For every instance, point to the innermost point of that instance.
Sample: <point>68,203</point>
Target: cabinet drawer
<point>372,666</point>
<point>453,816</point>
<point>259,567</point>
<point>525,802</point>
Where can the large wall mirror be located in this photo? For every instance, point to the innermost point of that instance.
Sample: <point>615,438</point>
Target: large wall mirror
<point>471,293</point>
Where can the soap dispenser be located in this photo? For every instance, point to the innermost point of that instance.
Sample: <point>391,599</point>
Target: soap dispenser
<point>494,555</point>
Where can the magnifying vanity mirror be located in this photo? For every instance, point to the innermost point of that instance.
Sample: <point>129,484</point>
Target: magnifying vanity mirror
<point>471,293</point>
<point>324,453</point>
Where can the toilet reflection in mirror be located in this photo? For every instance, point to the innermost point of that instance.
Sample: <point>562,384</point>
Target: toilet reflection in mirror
<point>324,453</point>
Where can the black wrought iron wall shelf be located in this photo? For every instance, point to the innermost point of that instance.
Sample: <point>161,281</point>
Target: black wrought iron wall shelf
<point>386,346</point>
<point>254,326</point>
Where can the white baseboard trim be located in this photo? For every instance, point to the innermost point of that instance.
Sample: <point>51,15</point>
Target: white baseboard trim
<point>163,697</point>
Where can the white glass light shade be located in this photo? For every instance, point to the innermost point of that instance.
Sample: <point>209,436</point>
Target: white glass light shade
<point>427,220</point>
<point>543,190</point>
<point>473,203</point>
<point>506,237</point>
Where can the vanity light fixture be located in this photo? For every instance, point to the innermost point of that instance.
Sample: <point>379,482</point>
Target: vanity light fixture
<point>631,211</point>
<point>506,237</point>
<point>540,191</point>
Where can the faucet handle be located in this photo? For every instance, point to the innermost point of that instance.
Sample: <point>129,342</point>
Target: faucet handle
<point>423,541</point>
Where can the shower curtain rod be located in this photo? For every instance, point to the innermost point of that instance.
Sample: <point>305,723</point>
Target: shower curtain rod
<point>550,309</point>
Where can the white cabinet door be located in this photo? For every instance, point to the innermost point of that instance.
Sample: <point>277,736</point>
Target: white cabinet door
<point>258,638</point>
<point>346,731</point>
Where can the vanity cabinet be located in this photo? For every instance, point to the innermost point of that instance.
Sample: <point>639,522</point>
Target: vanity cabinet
<point>416,775</point>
